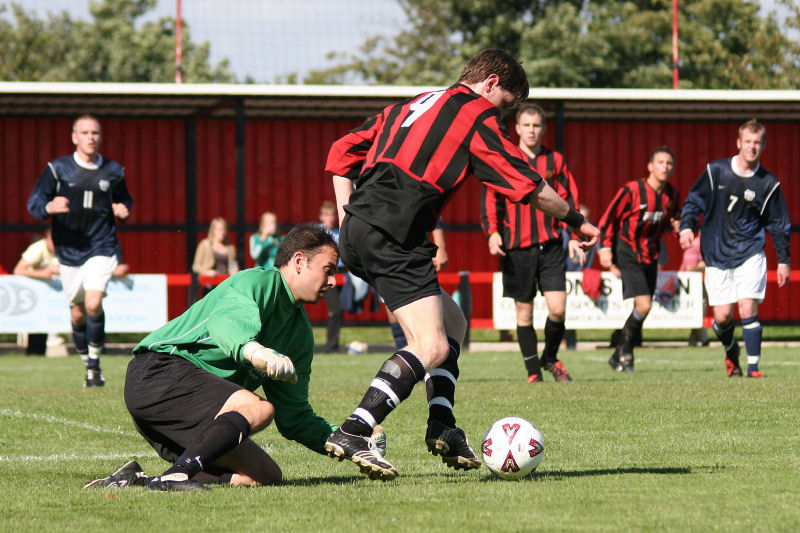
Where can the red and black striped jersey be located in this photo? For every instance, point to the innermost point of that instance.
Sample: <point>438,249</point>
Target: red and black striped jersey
<point>409,159</point>
<point>522,225</point>
<point>639,215</point>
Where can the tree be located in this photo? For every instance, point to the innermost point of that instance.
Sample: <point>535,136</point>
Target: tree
<point>110,48</point>
<point>604,43</point>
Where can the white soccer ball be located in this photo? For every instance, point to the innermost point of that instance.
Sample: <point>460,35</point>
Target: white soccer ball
<point>512,448</point>
<point>357,348</point>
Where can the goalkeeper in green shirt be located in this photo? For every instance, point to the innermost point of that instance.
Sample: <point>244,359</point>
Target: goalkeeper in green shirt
<point>190,386</point>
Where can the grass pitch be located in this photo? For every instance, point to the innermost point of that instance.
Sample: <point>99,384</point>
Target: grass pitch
<point>674,446</point>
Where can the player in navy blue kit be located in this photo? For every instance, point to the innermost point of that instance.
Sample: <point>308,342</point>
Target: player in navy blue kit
<point>84,193</point>
<point>740,199</point>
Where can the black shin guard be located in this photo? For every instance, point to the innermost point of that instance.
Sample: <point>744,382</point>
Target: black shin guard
<point>553,334</point>
<point>440,384</point>
<point>631,331</point>
<point>725,334</point>
<point>526,336</point>
<point>392,384</point>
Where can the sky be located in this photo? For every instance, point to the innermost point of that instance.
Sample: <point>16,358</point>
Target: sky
<point>268,39</point>
<point>265,39</point>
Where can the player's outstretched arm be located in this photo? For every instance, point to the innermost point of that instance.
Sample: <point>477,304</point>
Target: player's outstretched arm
<point>588,235</point>
<point>546,199</point>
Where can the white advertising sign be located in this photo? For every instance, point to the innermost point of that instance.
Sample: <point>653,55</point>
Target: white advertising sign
<point>685,309</point>
<point>136,303</point>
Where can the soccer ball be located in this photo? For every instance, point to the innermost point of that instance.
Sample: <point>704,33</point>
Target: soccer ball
<point>512,448</point>
<point>357,348</point>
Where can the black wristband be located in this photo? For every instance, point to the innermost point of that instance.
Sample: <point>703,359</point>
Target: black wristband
<point>574,218</point>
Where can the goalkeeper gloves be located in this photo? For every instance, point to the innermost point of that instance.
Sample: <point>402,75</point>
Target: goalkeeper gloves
<point>269,362</point>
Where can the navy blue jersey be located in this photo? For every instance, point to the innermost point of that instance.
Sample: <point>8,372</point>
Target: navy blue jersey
<point>88,229</point>
<point>737,211</point>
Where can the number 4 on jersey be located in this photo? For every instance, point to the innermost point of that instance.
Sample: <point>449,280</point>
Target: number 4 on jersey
<point>419,107</point>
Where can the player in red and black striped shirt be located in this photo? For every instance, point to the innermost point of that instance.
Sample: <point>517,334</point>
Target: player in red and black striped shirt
<point>529,243</point>
<point>406,163</point>
<point>630,235</point>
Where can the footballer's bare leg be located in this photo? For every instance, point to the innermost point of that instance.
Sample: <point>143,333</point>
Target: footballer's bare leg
<point>425,333</point>
<point>249,462</point>
<point>423,322</point>
<point>251,465</point>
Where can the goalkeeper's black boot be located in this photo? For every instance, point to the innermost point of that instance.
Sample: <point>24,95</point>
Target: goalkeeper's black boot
<point>128,475</point>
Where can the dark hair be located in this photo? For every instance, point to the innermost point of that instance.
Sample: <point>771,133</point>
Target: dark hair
<point>306,238</point>
<point>533,109</point>
<point>661,150</point>
<point>508,69</point>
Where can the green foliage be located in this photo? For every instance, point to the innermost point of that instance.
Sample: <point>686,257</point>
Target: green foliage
<point>674,446</point>
<point>113,47</point>
<point>723,44</point>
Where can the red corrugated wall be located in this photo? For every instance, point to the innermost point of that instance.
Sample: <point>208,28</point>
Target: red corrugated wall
<point>284,161</point>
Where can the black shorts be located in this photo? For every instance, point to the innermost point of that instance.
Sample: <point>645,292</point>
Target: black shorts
<point>539,267</point>
<point>400,274</point>
<point>638,279</point>
<point>171,400</point>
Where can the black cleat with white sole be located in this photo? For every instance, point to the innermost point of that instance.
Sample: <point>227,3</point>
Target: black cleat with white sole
<point>177,482</point>
<point>363,452</point>
<point>451,445</point>
<point>128,475</point>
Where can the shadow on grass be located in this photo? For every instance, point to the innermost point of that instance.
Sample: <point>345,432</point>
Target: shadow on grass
<point>558,475</point>
<point>448,476</point>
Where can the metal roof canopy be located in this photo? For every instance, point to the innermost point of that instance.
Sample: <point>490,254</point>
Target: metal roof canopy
<point>132,100</point>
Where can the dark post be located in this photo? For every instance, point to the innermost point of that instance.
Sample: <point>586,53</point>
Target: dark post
<point>560,126</point>
<point>190,227</point>
<point>465,302</point>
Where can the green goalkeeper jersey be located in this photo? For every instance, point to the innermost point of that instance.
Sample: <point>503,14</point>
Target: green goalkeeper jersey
<point>252,305</point>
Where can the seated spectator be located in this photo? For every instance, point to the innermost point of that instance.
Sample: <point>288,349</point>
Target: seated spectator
<point>215,254</point>
<point>264,244</point>
<point>39,259</point>
<point>122,269</point>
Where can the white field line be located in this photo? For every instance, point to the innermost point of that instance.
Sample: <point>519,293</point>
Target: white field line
<point>765,361</point>
<point>50,419</point>
<point>73,457</point>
